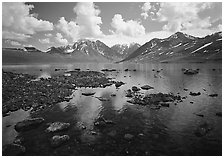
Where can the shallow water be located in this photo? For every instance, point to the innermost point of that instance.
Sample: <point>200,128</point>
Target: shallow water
<point>167,131</point>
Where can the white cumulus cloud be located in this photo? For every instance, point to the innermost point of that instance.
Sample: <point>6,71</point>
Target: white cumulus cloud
<point>13,43</point>
<point>59,38</point>
<point>44,41</point>
<point>86,24</point>
<point>128,28</point>
<point>183,16</point>
<point>17,21</point>
<point>145,8</point>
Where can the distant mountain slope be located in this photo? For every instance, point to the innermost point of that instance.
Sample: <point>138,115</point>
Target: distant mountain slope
<point>86,49</point>
<point>123,50</point>
<point>179,47</point>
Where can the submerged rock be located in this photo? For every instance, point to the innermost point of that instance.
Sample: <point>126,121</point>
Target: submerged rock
<point>28,124</point>
<point>59,140</point>
<point>57,126</point>
<point>146,87</point>
<point>13,150</point>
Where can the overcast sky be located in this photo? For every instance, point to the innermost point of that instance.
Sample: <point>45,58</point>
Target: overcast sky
<point>54,24</point>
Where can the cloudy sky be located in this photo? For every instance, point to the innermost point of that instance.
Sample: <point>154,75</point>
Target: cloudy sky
<point>54,24</point>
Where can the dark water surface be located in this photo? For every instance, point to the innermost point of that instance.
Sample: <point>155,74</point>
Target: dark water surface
<point>167,131</point>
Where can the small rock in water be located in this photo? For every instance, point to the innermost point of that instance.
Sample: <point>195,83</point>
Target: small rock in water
<point>88,93</point>
<point>195,94</point>
<point>146,87</point>
<point>213,95</point>
<point>219,114</point>
<point>118,84</point>
<point>192,102</point>
<point>190,71</point>
<point>128,136</point>
<point>113,95</point>
<point>57,126</point>
<point>135,89</point>
<point>58,140</point>
<point>200,115</point>
<point>28,124</point>
<point>165,104</point>
<point>103,99</point>
<point>13,150</point>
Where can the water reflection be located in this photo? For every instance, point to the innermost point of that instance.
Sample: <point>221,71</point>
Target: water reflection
<point>168,131</point>
<point>8,123</point>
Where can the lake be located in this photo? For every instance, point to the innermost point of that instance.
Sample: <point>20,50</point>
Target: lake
<point>166,131</point>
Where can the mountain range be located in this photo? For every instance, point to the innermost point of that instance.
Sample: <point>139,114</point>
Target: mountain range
<point>179,47</point>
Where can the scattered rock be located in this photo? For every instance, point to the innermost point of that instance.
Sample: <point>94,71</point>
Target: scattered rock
<point>113,95</point>
<point>185,89</point>
<point>146,87</point>
<point>57,126</point>
<point>126,70</point>
<point>103,99</point>
<point>190,71</point>
<point>59,140</point>
<point>129,93</point>
<point>88,93</point>
<point>67,74</point>
<point>18,140</point>
<point>13,150</point>
<point>100,124</point>
<point>219,114</point>
<point>128,136</point>
<point>118,84</point>
<point>195,94</point>
<point>56,69</point>
<point>165,104</point>
<point>135,89</point>
<point>213,95</point>
<point>191,102</point>
<point>28,124</point>
<point>93,133</point>
<point>77,69</point>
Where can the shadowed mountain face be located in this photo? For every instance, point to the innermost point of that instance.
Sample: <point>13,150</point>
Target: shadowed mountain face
<point>179,47</point>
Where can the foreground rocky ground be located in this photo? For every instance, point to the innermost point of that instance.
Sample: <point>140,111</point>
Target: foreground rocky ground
<point>23,91</point>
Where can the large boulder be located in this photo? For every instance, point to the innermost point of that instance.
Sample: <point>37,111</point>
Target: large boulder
<point>28,124</point>
<point>59,140</point>
<point>13,150</point>
<point>57,126</point>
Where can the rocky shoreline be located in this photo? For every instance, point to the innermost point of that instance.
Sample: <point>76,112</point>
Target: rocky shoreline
<point>23,91</point>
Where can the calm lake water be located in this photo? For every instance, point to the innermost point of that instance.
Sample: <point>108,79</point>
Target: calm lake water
<point>167,131</point>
